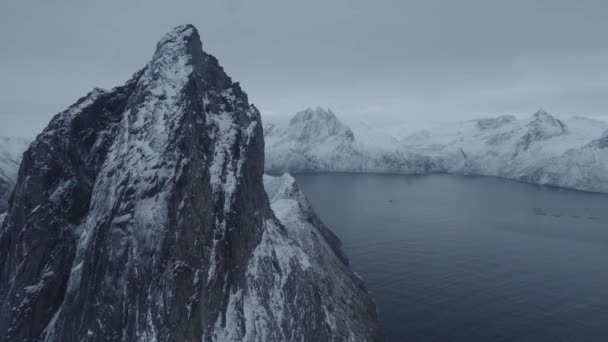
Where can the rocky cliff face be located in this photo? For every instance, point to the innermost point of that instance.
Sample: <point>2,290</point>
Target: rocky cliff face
<point>11,150</point>
<point>140,214</point>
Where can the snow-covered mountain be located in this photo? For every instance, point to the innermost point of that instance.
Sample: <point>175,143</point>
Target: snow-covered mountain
<point>316,140</point>
<point>11,150</point>
<point>539,149</point>
<point>140,214</point>
<point>584,168</point>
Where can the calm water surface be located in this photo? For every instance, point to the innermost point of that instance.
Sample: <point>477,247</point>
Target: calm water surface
<point>460,258</point>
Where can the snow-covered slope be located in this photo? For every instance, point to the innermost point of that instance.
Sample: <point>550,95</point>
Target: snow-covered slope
<point>539,149</point>
<point>140,214</point>
<point>584,168</point>
<point>338,294</point>
<point>11,150</point>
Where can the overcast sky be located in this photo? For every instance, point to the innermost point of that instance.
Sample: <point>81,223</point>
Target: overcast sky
<point>423,60</point>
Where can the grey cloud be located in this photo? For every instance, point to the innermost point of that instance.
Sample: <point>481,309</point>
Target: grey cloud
<point>404,59</point>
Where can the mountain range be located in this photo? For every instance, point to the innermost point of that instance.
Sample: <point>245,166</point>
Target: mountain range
<point>539,149</point>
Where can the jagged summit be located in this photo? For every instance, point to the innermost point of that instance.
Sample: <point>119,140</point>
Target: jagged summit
<point>542,117</point>
<point>540,127</point>
<point>179,34</point>
<point>179,56</point>
<point>494,123</point>
<point>140,214</point>
<point>540,113</point>
<point>313,125</point>
<point>317,113</point>
<point>544,125</point>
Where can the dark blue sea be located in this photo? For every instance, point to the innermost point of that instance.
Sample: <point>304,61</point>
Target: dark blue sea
<point>462,258</point>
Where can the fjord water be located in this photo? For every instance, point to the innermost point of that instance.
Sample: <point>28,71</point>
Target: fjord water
<point>463,258</point>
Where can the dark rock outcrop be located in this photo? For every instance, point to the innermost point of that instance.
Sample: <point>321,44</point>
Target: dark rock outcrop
<point>5,189</point>
<point>140,214</point>
<point>600,143</point>
<point>541,127</point>
<point>494,123</point>
<point>11,150</point>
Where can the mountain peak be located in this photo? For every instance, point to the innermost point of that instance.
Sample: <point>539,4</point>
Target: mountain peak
<point>179,54</point>
<point>542,126</point>
<point>178,35</point>
<point>543,120</point>
<point>175,56</point>
<point>317,125</point>
<point>541,112</point>
<point>317,113</point>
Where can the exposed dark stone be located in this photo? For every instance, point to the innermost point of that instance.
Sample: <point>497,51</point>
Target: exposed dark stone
<point>140,214</point>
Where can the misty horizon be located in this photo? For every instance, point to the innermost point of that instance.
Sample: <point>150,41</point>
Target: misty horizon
<point>394,61</point>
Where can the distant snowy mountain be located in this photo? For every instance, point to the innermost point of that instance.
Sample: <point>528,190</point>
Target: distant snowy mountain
<point>11,150</point>
<point>539,149</point>
<point>316,140</point>
<point>584,168</point>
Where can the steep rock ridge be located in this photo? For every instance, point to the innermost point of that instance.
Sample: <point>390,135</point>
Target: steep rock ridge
<point>140,214</point>
<point>542,127</point>
<point>341,303</point>
<point>290,205</point>
<point>494,123</point>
